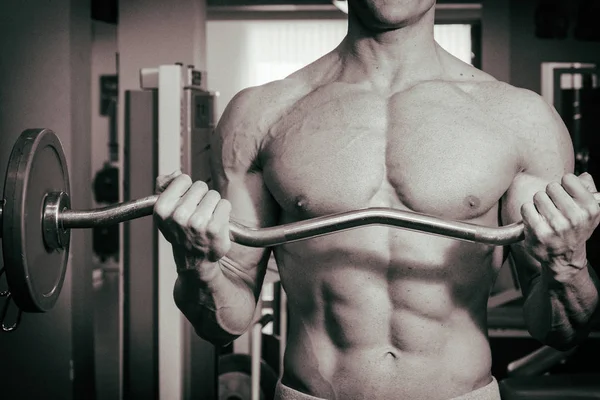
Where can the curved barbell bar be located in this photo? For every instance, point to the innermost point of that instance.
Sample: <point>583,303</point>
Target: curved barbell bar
<point>58,219</point>
<point>310,228</point>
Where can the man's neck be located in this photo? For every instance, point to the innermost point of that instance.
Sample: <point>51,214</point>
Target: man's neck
<point>394,58</point>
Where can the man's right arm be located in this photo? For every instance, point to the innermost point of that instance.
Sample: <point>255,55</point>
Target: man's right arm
<point>220,304</point>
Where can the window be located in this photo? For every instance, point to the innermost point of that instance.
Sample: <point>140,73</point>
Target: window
<point>244,53</point>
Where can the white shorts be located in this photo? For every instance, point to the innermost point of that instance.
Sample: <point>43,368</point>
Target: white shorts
<point>488,392</point>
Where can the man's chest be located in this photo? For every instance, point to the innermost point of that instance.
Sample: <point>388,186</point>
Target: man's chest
<point>435,152</point>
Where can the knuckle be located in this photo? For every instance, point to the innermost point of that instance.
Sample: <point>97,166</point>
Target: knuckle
<point>181,215</point>
<point>220,249</point>
<point>561,226</point>
<point>543,235</point>
<point>578,218</point>
<point>212,230</point>
<point>162,210</point>
<point>587,211</point>
<point>594,210</point>
<point>197,223</point>
<point>536,236</point>
<point>591,214</point>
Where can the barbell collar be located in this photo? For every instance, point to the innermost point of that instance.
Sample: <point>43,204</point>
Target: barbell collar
<point>56,236</point>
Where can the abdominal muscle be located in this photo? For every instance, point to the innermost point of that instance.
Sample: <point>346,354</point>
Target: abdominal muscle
<point>379,313</point>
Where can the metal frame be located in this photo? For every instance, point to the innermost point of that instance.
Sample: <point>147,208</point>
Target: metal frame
<point>161,353</point>
<point>551,72</point>
<point>140,241</point>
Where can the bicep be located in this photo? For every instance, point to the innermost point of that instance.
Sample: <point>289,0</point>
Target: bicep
<point>252,206</point>
<point>522,191</point>
<point>547,155</point>
<point>236,176</point>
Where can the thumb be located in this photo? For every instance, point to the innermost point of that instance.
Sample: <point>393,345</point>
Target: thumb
<point>165,180</point>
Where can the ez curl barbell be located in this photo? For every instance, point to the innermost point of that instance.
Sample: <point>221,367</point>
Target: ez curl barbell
<point>37,219</point>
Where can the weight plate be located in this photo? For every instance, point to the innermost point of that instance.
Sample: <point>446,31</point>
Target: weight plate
<point>235,386</point>
<point>35,273</point>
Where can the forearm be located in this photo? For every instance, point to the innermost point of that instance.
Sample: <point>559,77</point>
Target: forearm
<point>559,313</point>
<point>219,305</point>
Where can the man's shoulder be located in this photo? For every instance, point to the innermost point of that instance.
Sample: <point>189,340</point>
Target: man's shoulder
<point>517,107</point>
<point>264,102</point>
<point>245,125</point>
<point>534,125</point>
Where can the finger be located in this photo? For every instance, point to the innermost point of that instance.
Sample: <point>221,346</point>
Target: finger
<point>220,218</point>
<point>169,199</point>
<point>204,211</point>
<point>531,218</point>
<point>218,230</point>
<point>222,211</point>
<point>580,193</point>
<point>164,180</point>
<point>188,202</point>
<point>549,212</point>
<point>588,182</point>
<point>218,225</point>
<point>561,199</point>
<point>534,223</point>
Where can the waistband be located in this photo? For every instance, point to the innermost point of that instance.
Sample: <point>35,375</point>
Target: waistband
<point>490,391</point>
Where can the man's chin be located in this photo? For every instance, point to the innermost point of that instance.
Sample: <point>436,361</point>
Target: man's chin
<point>386,20</point>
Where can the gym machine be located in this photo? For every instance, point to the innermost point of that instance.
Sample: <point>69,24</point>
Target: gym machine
<point>167,126</point>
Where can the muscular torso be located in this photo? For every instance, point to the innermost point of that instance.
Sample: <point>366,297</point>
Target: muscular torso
<point>378,312</point>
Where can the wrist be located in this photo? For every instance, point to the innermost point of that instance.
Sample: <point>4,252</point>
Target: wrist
<point>569,275</point>
<point>204,271</point>
<point>196,267</point>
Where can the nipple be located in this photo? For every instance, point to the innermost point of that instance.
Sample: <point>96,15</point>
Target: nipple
<point>301,203</point>
<point>472,202</point>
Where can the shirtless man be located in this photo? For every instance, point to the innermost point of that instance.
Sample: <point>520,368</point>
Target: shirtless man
<point>387,119</point>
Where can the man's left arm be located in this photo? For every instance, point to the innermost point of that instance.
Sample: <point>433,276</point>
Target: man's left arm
<point>560,214</point>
